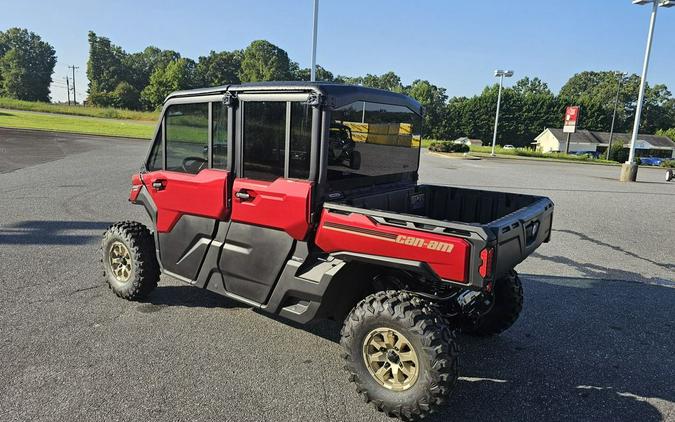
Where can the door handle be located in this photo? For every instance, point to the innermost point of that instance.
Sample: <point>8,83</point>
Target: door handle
<point>243,195</point>
<point>159,184</point>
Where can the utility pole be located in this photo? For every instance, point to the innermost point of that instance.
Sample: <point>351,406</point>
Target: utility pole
<point>68,89</point>
<point>74,97</point>
<point>312,71</point>
<point>499,74</point>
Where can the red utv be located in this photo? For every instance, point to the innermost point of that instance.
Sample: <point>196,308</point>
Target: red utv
<point>251,198</point>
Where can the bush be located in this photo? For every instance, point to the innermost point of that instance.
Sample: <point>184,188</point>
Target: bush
<point>448,146</point>
<point>618,153</point>
<point>668,164</point>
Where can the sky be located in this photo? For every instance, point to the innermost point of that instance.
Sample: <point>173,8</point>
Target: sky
<point>454,44</point>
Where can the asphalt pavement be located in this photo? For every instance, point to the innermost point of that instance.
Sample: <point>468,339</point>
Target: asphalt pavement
<point>595,341</point>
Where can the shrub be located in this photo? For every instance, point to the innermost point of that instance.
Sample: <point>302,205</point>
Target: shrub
<point>447,146</point>
<point>668,164</point>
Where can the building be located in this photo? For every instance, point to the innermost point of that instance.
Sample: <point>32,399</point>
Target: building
<point>554,140</point>
<point>468,142</point>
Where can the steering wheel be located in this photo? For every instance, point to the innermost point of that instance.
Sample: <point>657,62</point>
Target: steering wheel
<point>194,164</point>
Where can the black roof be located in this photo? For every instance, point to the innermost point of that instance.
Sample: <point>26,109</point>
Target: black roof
<point>336,93</point>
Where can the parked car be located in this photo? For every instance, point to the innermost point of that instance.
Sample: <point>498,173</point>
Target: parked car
<point>508,146</point>
<point>651,161</point>
<point>288,220</point>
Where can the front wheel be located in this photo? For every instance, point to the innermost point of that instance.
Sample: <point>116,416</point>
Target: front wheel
<point>400,354</point>
<point>129,262</point>
<point>670,175</point>
<point>508,302</point>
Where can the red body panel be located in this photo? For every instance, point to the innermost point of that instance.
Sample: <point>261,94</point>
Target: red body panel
<point>447,256</point>
<point>203,194</point>
<point>282,204</point>
<point>136,184</point>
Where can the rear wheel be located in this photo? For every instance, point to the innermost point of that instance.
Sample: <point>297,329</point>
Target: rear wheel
<point>670,175</point>
<point>508,302</point>
<point>400,354</point>
<point>129,262</point>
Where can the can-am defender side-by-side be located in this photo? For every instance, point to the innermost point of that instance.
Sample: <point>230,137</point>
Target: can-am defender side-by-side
<point>301,199</point>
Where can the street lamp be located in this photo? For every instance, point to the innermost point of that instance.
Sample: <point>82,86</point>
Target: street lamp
<point>629,168</point>
<point>312,71</point>
<point>501,74</point>
<point>622,75</point>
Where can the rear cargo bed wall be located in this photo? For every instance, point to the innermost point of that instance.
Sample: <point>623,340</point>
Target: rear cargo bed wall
<point>470,206</point>
<point>446,203</point>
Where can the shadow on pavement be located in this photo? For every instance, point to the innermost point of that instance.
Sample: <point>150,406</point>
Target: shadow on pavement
<point>583,350</point>
<point>190,296</point>
<point>597,242</point>
<point>52,232</point>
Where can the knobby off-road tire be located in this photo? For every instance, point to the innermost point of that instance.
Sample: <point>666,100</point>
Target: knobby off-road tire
<point>129,262</point>
<point>508,298</point>
<point>415,322</point>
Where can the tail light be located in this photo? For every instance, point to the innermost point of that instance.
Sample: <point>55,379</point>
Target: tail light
<point>485,269</point>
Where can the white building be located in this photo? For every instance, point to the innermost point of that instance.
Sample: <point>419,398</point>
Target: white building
<point>554,140</point>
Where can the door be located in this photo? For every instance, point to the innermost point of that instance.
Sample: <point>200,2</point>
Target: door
<point>190,188</point>
<point>271,198</point>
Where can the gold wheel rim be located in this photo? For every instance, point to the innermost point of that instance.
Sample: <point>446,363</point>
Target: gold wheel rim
<point>391,359</point>
<point>120,261</point>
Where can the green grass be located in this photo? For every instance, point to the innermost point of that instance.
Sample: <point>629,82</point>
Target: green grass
<point>526,152</point>
<point>104,112</point>
<point>76,124</point>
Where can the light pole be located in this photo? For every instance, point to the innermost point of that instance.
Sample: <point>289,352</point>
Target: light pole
<point>501,74</point>
<point>312,71</point>
<point>629,168</point>
<point>622,75</point>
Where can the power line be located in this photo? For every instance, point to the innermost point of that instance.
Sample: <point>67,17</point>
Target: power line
<point>74,97</point>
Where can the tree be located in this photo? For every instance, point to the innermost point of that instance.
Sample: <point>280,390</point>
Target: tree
<point>219,68</point>
<point>305,74</point>
<point>389,81</point>
<point>433,100</point>
<point>126,96</point>
<point>139,66</point>
<point>105,67</point>
<point>534,86</point>
<point>26,65</point>
<point>177,75</point>
<point>264,61</point>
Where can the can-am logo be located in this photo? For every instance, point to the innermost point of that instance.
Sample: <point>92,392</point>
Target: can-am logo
<point>422,243</point>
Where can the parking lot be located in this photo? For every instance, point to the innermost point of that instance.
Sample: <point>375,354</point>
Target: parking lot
<point>595,340</point>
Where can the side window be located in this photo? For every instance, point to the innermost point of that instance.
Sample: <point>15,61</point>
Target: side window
<point>219,135</point>
<point>301,140</point>
<point>155,158</point>
<point>187,137</point>
<point>264,134</point>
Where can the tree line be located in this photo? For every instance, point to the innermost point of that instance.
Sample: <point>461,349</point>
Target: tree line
<point>141,81</point>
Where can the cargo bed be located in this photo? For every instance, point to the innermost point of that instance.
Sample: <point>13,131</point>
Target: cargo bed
<point>514,224</point>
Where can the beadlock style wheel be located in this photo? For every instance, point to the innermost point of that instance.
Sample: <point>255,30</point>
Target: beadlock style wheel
<point>120,262</point>
<point>390,359</point>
